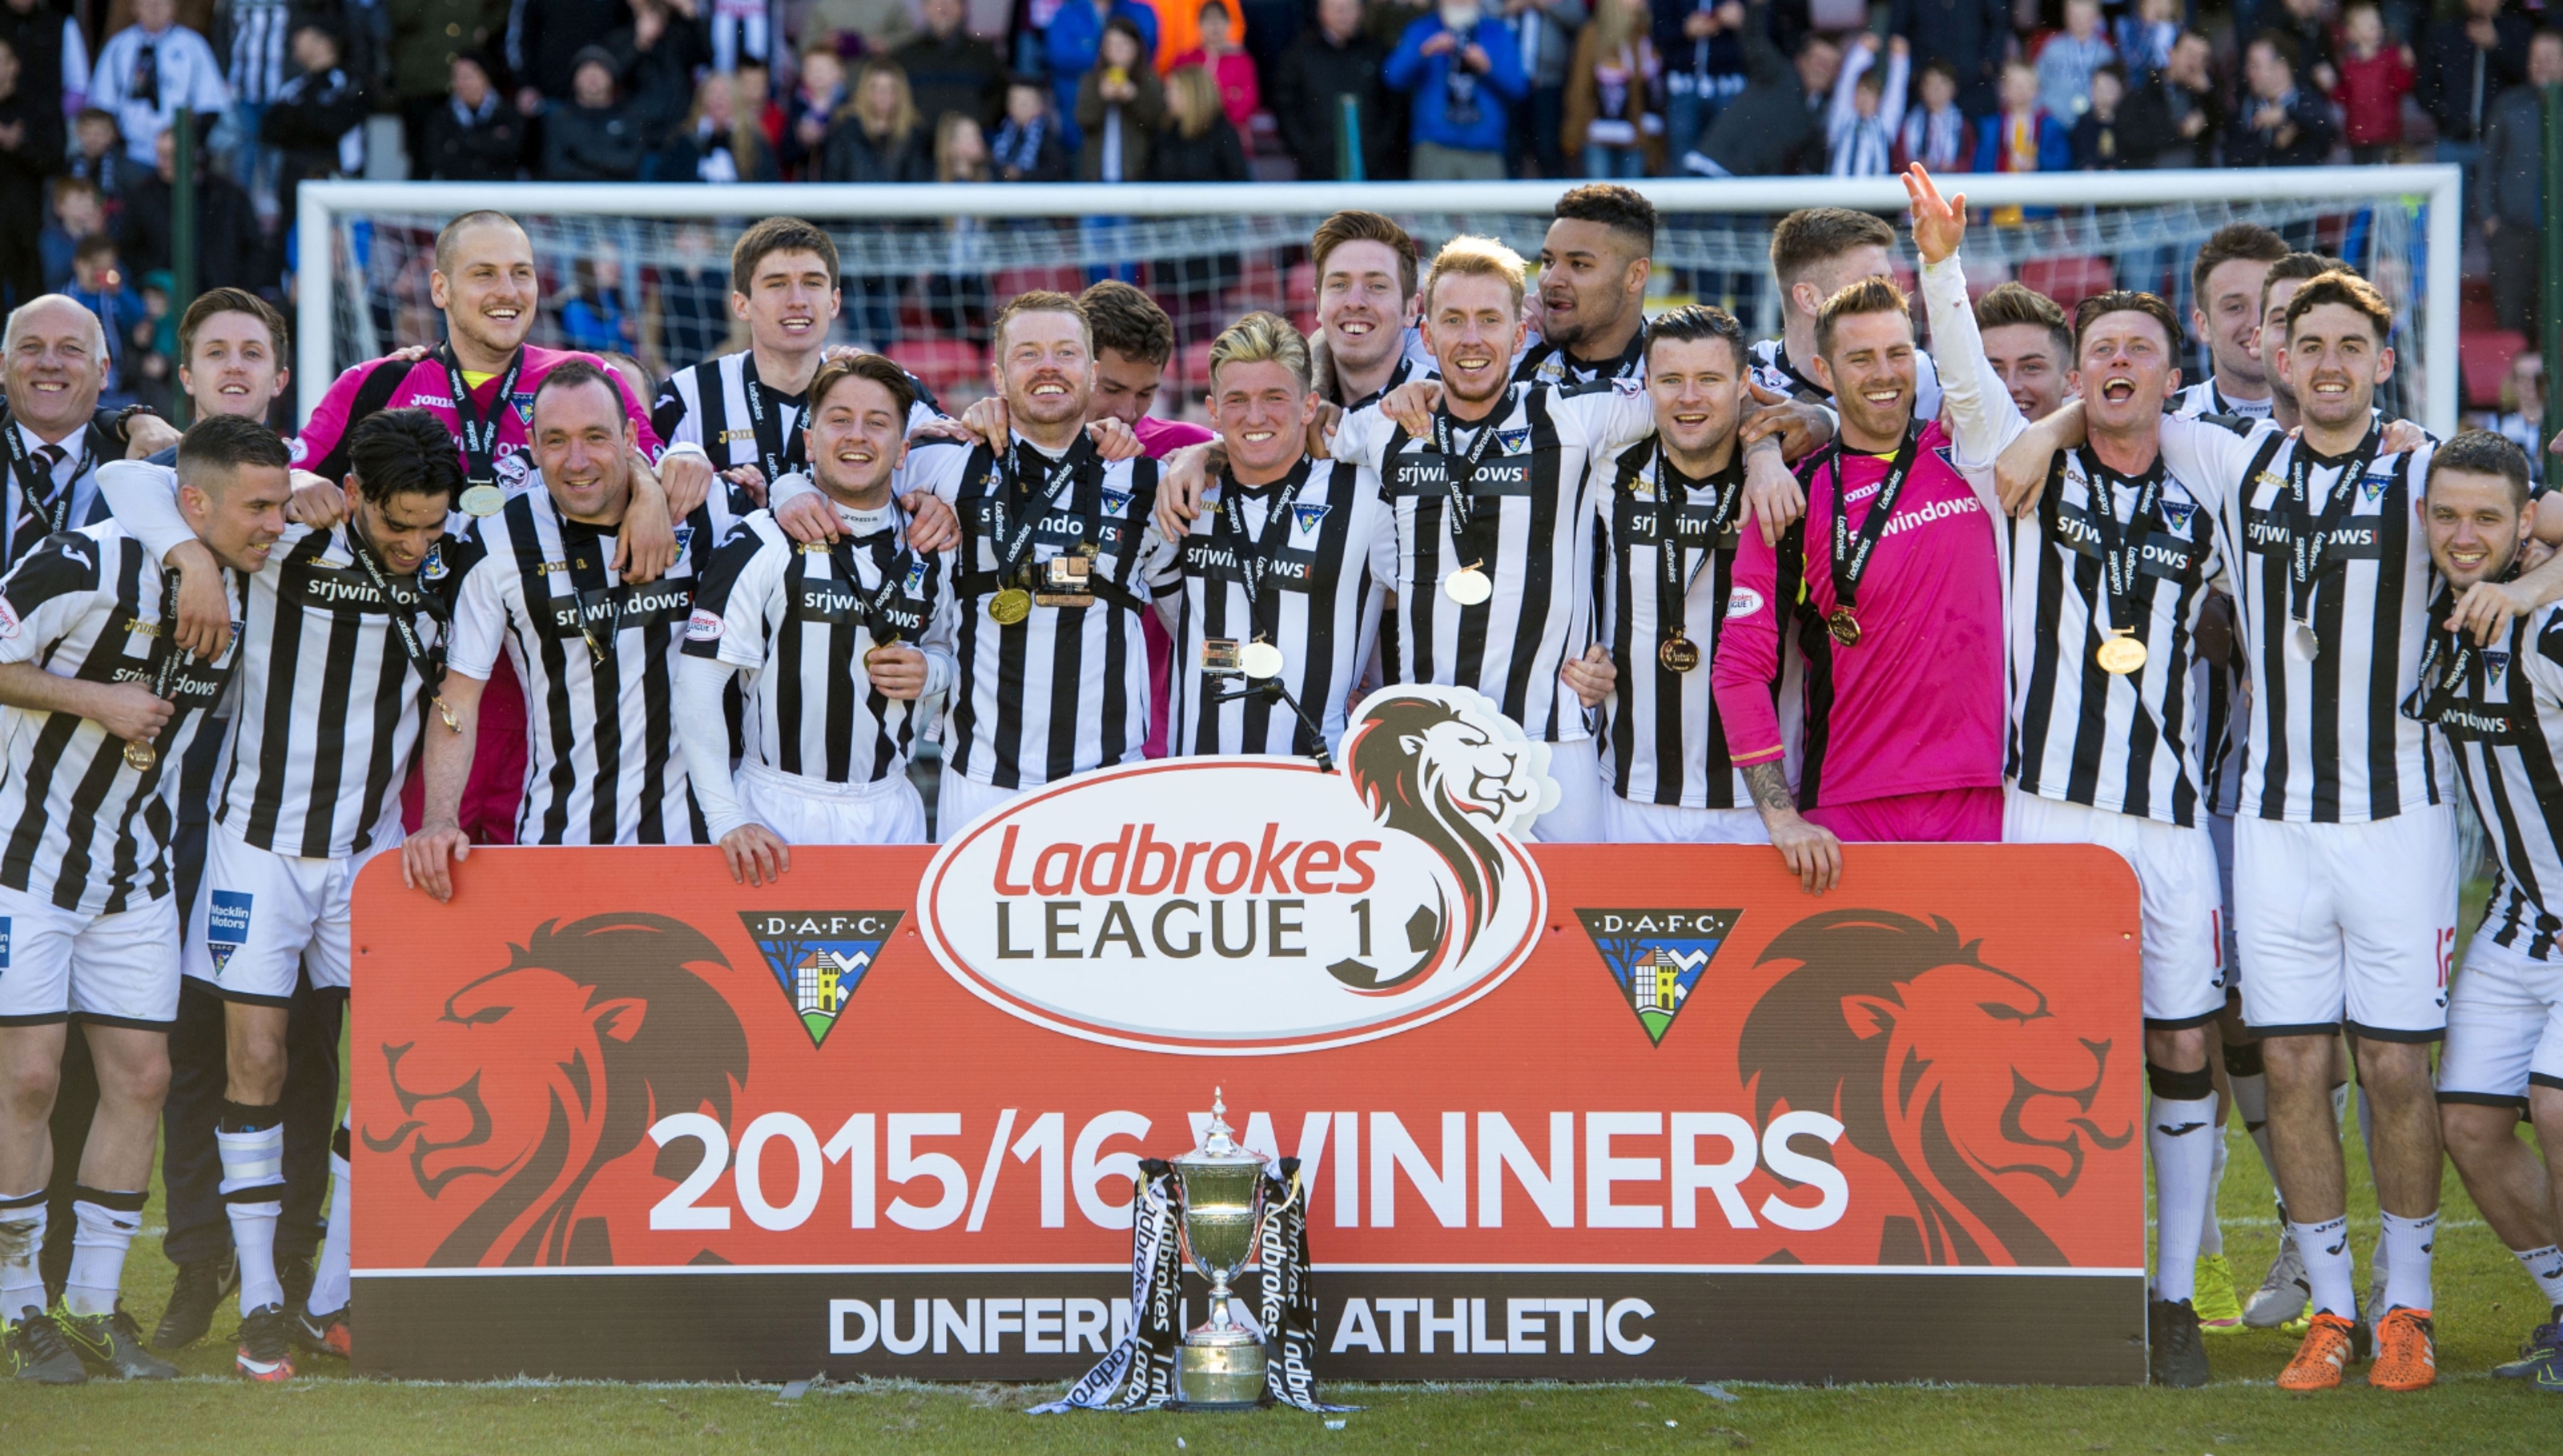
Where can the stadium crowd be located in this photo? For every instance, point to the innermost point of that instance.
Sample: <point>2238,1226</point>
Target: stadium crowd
<point>1819,590</point>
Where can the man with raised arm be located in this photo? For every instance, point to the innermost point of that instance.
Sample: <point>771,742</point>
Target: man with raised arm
<point>2108,579</point>
<point>834,648</point>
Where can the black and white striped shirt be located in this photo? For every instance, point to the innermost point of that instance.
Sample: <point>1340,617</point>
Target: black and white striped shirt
<point>1066,689</point>
<point>1663,743</point>
<point>1547,363</point>
<point>1531,533</point>
<point>2207,398</point>
<point>739,419</point>
<point>1331,558</point>
<point>2504,722</point>
<point>2327,742</point>
<point>260,34</point>
<point>87,830</point>
<point>798,629</point>
<point>1770,366</point>
<point>602,762</point>
<point>331,705</point>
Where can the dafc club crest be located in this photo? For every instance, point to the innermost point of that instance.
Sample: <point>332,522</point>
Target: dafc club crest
<point>1655,957</point>
<point>818,956</point>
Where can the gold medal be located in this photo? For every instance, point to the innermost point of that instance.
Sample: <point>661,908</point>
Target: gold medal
<point>1679,654</point>
<point>444,710</point>
<point>2122,654</point>
<point>483,500</point>
<point>1010,607</point>
<point>1468,586</point>
<point>1260,661</point>
<point>1844,626</point>
<point>140,754</point>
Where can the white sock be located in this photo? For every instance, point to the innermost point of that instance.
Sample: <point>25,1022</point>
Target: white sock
<point>2180,1137</point>
<point>2545,1266</point>
<point>2210,1231</point>
<point>330,1279</point>
<point>108,1224</point>
<point>22,1238</point>
<point>2407,1245</point>
<point>2324,1247</point>
<point>253,1165</point>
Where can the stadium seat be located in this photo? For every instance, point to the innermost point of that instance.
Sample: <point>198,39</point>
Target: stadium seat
<point>2483,358</point>
<point>1058,277</point>
<point>946,364</point>
<point>2069,281</point>
<point>1192,376</point>
<point>2476,314</point>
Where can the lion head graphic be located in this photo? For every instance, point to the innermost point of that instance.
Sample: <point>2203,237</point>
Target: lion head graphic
<point>1457,774</point>
<point>1943,1068</point>
<point>542,1072</point>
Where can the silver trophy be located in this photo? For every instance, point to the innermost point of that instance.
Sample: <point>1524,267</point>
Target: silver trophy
<point>1220,1365</point>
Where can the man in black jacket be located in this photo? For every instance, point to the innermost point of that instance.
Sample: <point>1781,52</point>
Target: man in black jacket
<point>315,121</point>
<point>2177,120</point>
<point>1775,127</point>
<point>2466,63</point>
<point>231,250</point>
<point>597,138</point>
<point>477,135</point>
<point>950,70</point>
<point>1335,58</point>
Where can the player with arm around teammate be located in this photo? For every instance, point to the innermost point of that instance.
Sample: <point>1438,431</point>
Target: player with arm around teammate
<point>833,644</point>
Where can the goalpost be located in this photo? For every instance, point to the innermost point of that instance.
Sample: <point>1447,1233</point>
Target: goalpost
<point>924,265</point>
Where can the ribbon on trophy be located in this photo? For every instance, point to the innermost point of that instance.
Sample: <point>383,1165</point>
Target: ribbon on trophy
<point>1141,1367</point>
<point>1289,1308</point>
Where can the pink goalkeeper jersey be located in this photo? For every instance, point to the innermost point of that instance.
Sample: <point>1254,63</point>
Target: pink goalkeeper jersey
<point>1918,705</point>
<point>423,386</point>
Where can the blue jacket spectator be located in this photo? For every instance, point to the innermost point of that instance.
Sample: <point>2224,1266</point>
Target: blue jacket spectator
<point>1069,43</point>
<point>1463,86</point>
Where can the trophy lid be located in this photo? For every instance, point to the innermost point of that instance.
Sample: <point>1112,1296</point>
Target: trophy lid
<point>1220,1148</point>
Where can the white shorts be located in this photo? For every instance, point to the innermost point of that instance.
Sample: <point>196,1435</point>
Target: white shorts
<point>1577,820</point>
<point>959,799</point>
<point>260,916</point>
<point>2176,887</point>
<point>2505,1027</point>
<point>2347,924</point>
<point>59,965</point>
<point>1628,821</point>
<point>815,811</point>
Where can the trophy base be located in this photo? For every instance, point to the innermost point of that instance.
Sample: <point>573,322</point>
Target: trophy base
<point>1220,1377</point>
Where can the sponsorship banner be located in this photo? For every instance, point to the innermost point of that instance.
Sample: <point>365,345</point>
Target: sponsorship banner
<point>1577,1111</point>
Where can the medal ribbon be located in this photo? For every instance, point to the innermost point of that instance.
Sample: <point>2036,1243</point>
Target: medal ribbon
<point>1254,553</point>
<point>1013,540</point>
<point>776,456</point>
<point>480,436</point>
<point>2307,531</point>
<point>2446,659</point>
<point>882,547</point>
<point>430,662</point>
<point>1459,473</point>
<point>1852,557</point>
<point>41,499</point>
<point>1142,1367</point>
<point>2122,548</point>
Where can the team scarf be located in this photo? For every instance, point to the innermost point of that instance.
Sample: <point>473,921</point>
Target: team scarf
<point>1138,1372</point>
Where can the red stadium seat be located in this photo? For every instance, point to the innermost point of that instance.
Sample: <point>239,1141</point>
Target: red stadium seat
<point>946,364</point>
<point>1192,377</point>
<point>2474,314</point>
<point>1057,278</point>
<point>2069,281</point>
<point>2483,357</point>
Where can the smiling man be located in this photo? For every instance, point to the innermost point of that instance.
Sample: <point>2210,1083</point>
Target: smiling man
<point>1280,580</point>
<point>1365,272</point>
<point>100,702</point>
<point>833,648</point>
<point>342,675</point>
<point>2225,280</point>
<point>56,363</point>
<point>2029,343</point>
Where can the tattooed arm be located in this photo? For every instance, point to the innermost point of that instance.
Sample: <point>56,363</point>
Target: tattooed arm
<point>1809,850</point>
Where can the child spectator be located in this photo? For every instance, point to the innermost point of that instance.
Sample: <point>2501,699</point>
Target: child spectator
<point>76,214</point>
<point>879,136</point>
<point>591,312</point>
<point>1119,105</point>
<point>2146,38</point>
<point>2096,145</point>
<point>1868,109</point>
<point>1936,133</point>
<point>155,342</point>
<point>1226,63</point>
<point>97,153</point>
<point>2373,80</point>
<point>1072,45</point>
<point>1615,86</point>
<point>1029,148</point>
<point>97,284</point>
<point>2282,124</point>
<point>2023,136</point>
<point>2067,61</point>
<point>810,110</point>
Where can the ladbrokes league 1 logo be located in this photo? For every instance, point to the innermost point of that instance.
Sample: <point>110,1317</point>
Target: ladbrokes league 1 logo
<point>1657,955</point>
<point>818,956</point>
<point>1258,905</point>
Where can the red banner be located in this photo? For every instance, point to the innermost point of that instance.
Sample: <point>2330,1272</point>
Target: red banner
<point>617,1115</point>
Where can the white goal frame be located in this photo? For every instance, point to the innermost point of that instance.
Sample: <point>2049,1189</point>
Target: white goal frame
<point>323,204</point>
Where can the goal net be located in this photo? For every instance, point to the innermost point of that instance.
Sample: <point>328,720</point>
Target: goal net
<point>644,269</point>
